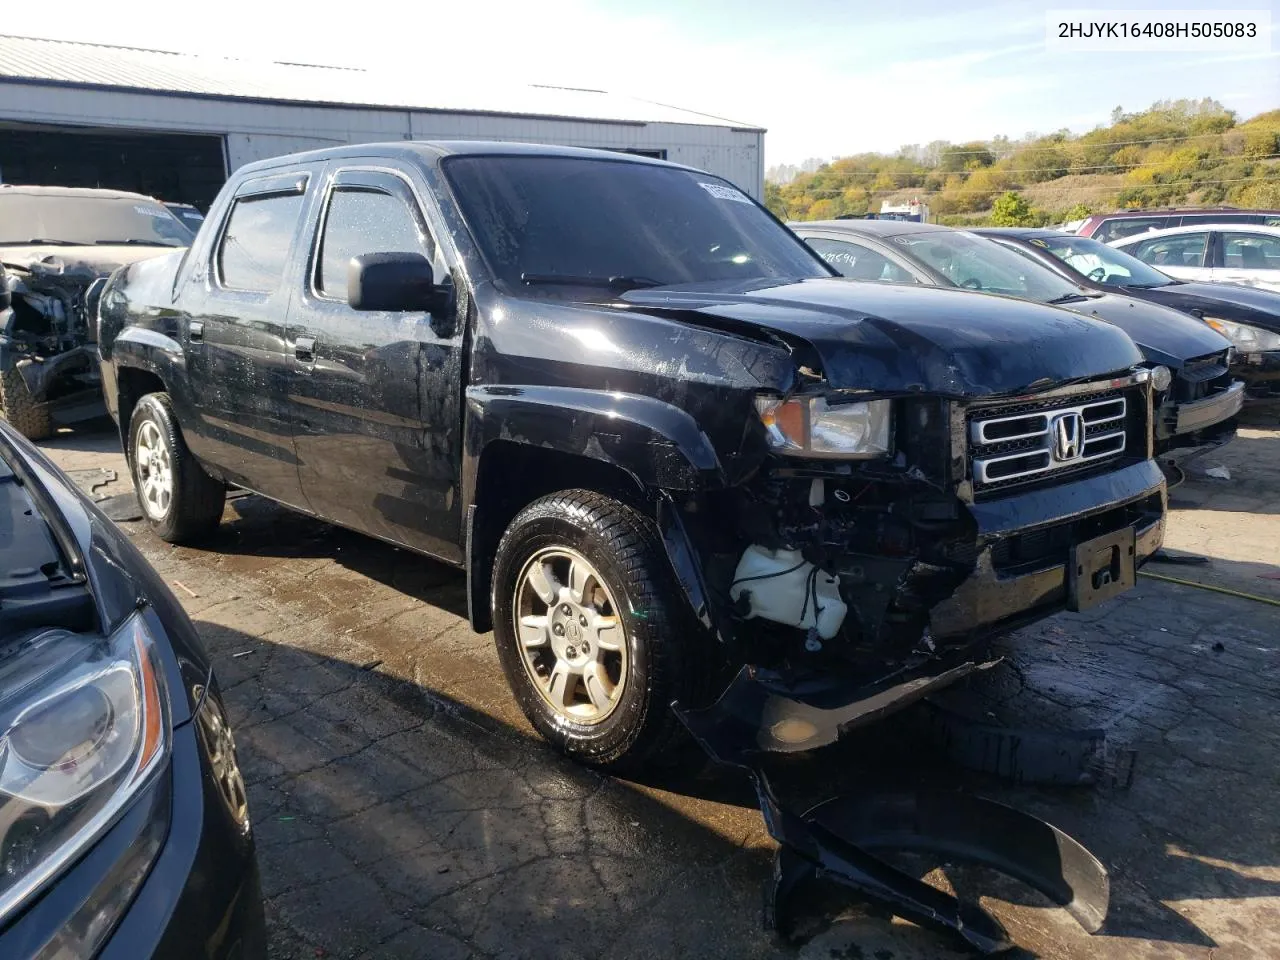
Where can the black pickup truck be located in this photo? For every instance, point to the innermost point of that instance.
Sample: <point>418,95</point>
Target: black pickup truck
<point>659,434</point>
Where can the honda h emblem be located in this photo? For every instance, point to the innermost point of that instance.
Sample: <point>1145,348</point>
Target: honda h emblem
<point>1068,437</point>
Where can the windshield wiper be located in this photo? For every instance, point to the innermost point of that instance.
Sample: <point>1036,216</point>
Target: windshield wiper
<point>620,284</point>
<point>133,242</point>
<point>1067,298</point>
<point>41,242</point>
<point>1149,286</point>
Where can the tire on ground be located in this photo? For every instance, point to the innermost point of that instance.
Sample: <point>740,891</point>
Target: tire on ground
<point>31,419</point>
<point>196,499</point>
<point>669,655</point>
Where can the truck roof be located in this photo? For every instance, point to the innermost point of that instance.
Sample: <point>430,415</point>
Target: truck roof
<point>435,150</point>
<point>91,192</point>
<point>874,228</point>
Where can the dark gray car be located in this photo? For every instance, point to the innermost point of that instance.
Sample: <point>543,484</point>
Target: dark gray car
<point>1199,398</point>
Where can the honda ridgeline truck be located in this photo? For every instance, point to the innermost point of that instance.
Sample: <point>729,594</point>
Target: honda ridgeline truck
<point>659,434</point>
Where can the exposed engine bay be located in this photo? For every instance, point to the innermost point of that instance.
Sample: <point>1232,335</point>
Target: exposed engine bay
<point>50,330</point>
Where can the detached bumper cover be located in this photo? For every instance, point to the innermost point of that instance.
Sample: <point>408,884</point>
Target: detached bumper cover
<point>1199,414</point>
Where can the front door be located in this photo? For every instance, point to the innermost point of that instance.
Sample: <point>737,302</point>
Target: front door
<point>375,396</point>
<point>1181,255</point>
<point>237,300</point>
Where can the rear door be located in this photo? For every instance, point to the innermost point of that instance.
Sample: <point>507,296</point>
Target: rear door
<point>235,305</point>
<point>375,396</point>
<point>1252,259</point>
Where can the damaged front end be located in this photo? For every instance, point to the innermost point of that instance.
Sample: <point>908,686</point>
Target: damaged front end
<point>860,570</point>
<point>49,335</point>
<point>940,522</point>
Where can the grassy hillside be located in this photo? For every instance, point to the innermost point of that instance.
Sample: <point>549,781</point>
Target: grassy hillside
<point>1176,152</point>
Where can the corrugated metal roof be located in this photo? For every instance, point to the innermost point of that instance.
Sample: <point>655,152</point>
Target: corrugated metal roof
<point>128,68</point>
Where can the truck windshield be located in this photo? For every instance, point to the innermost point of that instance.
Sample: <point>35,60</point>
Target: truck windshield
<point>981,264</point>
<point>27,218</point>
<point>1102,263</point>
<point>556,223</point>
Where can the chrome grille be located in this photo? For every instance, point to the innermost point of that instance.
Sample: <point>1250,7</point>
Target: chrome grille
<point>1031,441</point>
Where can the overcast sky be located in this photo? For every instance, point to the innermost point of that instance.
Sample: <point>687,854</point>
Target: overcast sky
<point>826,77</point>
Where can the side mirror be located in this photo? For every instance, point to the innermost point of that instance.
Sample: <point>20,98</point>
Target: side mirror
<point>395,281</point>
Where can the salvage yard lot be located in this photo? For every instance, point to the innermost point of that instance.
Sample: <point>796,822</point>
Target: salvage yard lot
<point>404,807</point>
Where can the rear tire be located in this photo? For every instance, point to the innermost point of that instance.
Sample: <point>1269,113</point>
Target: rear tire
<point>180,501</point>
<point>613,710</point>
<point>31,419</point>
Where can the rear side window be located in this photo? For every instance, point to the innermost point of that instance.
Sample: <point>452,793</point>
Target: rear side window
<point>858,262</point>
<point>1250,251</point>
<point>1183,250</point>
<point>255,245</point>
<point>1196,219</point>
<point>1127,227</point>
<point>364,220</point>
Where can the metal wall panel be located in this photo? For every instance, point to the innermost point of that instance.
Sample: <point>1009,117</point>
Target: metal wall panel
<point>257,131</point>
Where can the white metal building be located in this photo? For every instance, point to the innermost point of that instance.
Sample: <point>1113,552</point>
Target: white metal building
<point>175,125</point>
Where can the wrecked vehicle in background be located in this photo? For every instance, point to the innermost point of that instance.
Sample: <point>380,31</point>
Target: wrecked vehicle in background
<point>663,438</point>
<point>57,245</point>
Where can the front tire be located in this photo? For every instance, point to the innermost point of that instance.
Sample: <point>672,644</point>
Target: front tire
<point>180,501</point>
<point>31,419</point>
<point>591,630</point>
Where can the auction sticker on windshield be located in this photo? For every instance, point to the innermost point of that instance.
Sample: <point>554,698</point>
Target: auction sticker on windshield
<point>724,193</point>
<point>1102,30</point>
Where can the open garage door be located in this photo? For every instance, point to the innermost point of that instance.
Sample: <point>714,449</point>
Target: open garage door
<point>179,168</point>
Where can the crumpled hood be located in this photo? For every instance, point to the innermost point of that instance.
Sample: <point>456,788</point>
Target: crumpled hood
<point>1165,336</point>
<point>101,259</point>
<point>1231,301</point>
<point>905,339</point>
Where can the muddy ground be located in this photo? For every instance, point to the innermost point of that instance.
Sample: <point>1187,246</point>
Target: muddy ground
<point>403,807</point>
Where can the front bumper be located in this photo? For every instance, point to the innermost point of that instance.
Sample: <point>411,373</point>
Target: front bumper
<point>1201,423</point>
<point>201,896</point>
<point>1259,371</point>
<point>1011,586</point>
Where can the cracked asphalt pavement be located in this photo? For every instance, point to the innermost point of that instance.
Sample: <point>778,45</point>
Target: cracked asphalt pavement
<point>404,808</point>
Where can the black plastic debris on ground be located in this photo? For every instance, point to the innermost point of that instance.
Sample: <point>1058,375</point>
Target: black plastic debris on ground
<point>847,839</point>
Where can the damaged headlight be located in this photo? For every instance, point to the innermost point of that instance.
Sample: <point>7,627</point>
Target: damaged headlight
<point>812,427</point>
<point>1246,339</point>
<point>84,725</point>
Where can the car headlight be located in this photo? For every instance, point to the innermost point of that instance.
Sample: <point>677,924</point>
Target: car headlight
<point>1161,377</point>
<point>84,726</point>
<point>1246,339</point>
<point>812,427</point>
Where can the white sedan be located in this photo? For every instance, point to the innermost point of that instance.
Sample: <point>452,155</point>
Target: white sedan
<point>1244,254</point>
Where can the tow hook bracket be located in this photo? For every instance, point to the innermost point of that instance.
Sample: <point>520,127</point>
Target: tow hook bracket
<point>843,839</point>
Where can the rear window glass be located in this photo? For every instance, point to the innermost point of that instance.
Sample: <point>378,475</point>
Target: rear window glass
<point>256,243</point>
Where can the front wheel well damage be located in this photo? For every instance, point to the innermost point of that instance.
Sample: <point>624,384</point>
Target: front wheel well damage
<point>512,475</point>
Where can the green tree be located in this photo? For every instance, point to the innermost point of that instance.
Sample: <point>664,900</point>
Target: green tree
<point>1011,210</point>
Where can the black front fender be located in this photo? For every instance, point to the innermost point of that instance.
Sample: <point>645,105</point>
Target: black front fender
<point>138,348</point>
<point>659,445</point>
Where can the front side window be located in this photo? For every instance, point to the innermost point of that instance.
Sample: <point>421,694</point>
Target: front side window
<point>552,224</point>
<point>1180,250</point>
<point>364,220</point>
<point>857,262</point>
<point>1127,226</point>
<point>255,245</point>
<point>1250,251</point>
